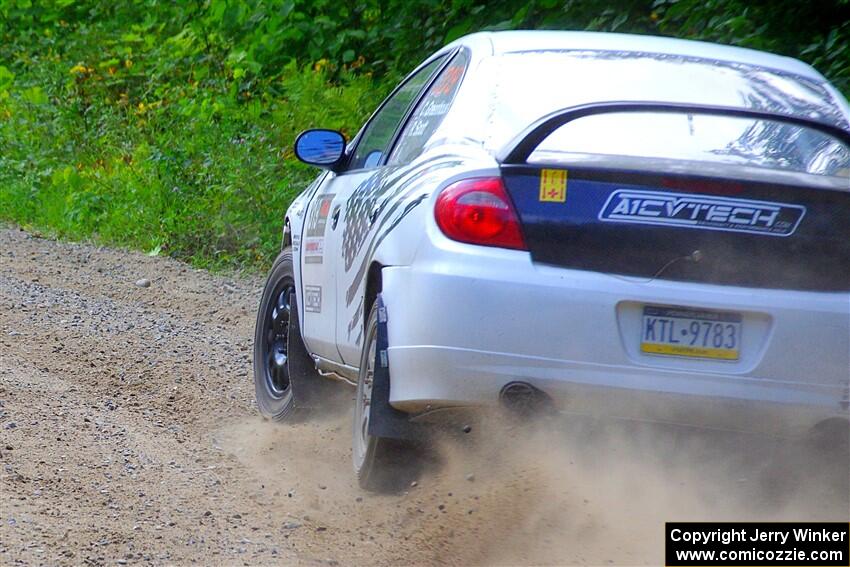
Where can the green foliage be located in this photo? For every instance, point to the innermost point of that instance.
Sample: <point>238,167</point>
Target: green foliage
<point>816,32</point>
<point>132,136</point>
<point>167,125</point>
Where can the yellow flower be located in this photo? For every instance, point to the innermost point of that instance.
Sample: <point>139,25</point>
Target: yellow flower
<point>78,69</point>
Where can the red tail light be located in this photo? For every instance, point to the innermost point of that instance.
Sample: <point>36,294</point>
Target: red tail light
<point>478,211</point>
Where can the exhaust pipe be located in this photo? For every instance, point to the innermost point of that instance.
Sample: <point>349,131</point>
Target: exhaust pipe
<point>526,401</point>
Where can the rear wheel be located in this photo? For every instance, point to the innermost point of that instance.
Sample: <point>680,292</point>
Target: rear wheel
<point>271,342</point>
<point>379,463</point>
<point>364,447</point>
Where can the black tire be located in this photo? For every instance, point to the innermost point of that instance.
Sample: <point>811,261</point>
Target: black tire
<point>379,464</point>
<point>272,381</point>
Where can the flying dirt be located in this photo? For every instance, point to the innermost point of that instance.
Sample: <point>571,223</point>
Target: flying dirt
<point>129,435</point>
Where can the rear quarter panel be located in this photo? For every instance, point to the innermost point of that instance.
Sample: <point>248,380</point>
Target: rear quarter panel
<point>389,212</point>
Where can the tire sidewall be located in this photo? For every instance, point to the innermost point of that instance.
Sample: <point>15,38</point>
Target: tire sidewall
<point>365,468</point>
<point>270,406</point>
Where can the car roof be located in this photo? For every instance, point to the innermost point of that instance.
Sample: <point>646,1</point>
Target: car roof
<point>497,43</point>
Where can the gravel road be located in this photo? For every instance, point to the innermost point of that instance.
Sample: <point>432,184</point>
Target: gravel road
<point>128,435</point>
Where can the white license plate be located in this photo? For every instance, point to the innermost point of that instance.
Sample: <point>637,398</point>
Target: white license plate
<point>690,333</point>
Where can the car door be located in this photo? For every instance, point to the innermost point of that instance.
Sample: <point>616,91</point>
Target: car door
<point>369,204</point>
<point>323,256</point>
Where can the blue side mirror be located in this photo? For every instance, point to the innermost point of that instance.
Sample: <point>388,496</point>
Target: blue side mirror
<point>324,148</point>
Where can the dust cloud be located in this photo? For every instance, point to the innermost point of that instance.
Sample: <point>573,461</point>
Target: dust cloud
<point>559,492</point>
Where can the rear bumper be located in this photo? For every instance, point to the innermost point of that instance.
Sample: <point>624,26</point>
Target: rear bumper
<point>464,321</point>
<point>459,377</point>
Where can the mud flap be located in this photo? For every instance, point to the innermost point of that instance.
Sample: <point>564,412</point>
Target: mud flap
<point>385,420</point>
<point>309,388</point>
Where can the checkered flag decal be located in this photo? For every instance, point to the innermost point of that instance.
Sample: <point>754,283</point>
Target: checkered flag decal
<point>360,209</point>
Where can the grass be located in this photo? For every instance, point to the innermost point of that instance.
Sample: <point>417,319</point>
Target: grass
<point>199,171</point>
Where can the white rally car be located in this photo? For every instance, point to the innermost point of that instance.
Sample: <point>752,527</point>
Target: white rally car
<point>624,226</point>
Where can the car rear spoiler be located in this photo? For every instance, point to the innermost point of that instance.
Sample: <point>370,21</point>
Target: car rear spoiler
<point>521,147</point>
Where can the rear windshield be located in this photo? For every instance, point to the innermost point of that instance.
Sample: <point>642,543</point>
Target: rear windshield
<point>694,143</point>
<point>524,86</point>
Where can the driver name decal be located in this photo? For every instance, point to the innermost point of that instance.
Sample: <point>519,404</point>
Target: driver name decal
<point>702,212</point>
